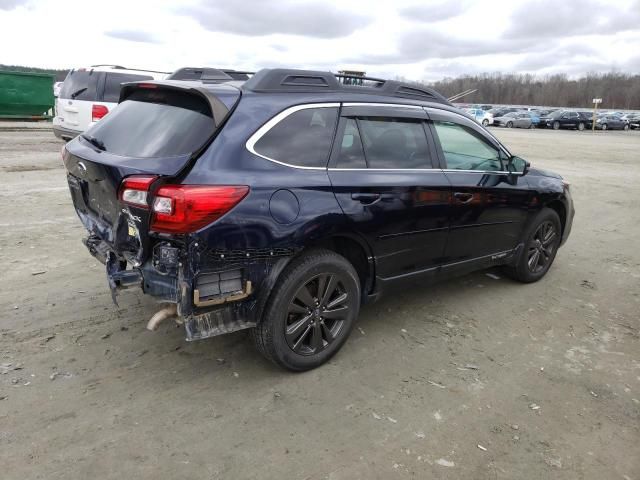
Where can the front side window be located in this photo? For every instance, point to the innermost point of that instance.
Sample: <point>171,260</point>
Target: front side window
<point>464,149</point>
<point>393,143</point>
<point>303,138</point>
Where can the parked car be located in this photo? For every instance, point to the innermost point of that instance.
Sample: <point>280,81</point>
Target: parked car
<point>234,206</point>
<point>564,119</point>
<point>634,122</point>
<point>481,116</point>
<point>208,74</point>
<point>502,111</point>
<point>514,120</point>
<point>611,122</point>
<point>88,94</point>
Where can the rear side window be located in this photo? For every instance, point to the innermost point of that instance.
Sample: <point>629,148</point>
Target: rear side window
<point>80,85</point>
<point>114,81</point>
<point>302,139</point>
<point>394,143</point>
<point>351,153</point>
<point>464,149</point>
<point>156,123</point>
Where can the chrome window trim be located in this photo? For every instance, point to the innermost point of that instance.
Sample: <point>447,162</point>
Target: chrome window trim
<point>253,139</point>
<point>439,170</point>
<point>373,104</point>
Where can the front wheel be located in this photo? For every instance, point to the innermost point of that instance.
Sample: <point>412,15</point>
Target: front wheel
<point>310,312</point>
<point>485,123</point>
<point>581,126</point>
<point>509,124</point>
<point>604,126</point>
<point>541,242</point>
<point>556,125</point>
<point>626,127</point>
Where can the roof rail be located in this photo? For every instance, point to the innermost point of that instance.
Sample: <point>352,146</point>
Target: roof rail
<point>120,67</point>
<point>311,81</point>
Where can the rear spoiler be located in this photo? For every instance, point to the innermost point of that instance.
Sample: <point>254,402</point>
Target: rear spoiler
<point>215,95</point>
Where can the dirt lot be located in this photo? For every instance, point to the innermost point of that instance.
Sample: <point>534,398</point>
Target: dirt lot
<point>476,378</point>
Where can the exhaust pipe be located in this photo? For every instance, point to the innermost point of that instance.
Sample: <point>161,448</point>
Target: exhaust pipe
<point>167,312</point>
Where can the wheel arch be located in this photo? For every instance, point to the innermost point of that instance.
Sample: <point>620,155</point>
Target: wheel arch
<point>559,207</point>
<point>356,250</point>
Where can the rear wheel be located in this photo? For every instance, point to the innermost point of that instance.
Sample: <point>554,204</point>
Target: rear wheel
<point>581,126</point>
<point>556,125</point>
<point>626,127</point>
<point>509,124</point>
<point>311,311</point>
<point>541,242</point>
<point>485,123</point>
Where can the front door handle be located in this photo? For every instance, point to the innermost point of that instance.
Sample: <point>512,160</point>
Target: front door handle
<point>365,198</point>
<point>463,197</point>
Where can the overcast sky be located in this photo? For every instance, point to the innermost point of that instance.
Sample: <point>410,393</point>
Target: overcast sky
<point>419,40</point>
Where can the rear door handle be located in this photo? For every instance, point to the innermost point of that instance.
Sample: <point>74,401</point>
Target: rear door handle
<point>365,198</point>
<point>463,197</point>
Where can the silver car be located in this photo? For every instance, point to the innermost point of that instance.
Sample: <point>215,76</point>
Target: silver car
<point>514,120</point>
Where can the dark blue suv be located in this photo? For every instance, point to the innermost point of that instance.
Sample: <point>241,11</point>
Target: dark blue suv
<point>284,202</point>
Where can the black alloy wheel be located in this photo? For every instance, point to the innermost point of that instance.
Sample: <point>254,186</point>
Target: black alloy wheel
<point>316,314</point>
<point>542,247</point>
<point>540,244</point>
<point>310,312</point>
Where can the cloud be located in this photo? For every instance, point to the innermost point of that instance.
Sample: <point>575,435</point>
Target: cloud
<point>11,4</point>
<point>551,19</point>
<point>132,36</point>
<point>256,18</point>
<point>434,12</point>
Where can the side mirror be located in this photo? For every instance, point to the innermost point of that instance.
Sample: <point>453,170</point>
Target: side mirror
<point>518,165</point>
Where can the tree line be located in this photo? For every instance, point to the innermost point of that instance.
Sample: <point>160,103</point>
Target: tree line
<point>617,90</point>
<point>59,74</point>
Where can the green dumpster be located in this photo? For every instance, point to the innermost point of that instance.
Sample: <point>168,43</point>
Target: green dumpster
<point>26,95</point>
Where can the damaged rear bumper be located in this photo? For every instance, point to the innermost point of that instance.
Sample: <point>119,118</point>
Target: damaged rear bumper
<point>209,298</point>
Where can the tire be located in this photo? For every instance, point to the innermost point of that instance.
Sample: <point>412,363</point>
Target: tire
<point>532,126</point>
<point>581,126</point>
<point>626,127</point>
<point>531,267</point>
<point>485,123</point>
<point>603,126</point>
<point>509,124</point>
<point>556,125</point>
<point>293,304</point>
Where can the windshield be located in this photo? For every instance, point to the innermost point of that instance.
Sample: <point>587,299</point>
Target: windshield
<point>154,123</point>
<point>80,85</point>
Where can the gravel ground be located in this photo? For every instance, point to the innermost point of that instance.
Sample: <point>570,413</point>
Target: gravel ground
<point>476,378</point>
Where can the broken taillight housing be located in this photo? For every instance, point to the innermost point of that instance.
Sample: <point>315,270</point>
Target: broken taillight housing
<point>187,208</point>
<point>135,190</point>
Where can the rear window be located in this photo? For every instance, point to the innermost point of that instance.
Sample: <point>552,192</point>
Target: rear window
<point>80,85</point>
<point>114,81</point>
<point>302,139</point>
<point>155,123</point>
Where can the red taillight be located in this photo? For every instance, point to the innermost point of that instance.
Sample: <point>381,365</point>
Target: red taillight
<point>147,85</point>
<point>98,111</point>
<point>135,190</point>
<point>187,208</point>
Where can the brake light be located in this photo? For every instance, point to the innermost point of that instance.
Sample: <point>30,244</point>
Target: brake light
<point>187,208</point>
<point>147,85</point>
<point>98,111</point>
<point>135,190</point>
